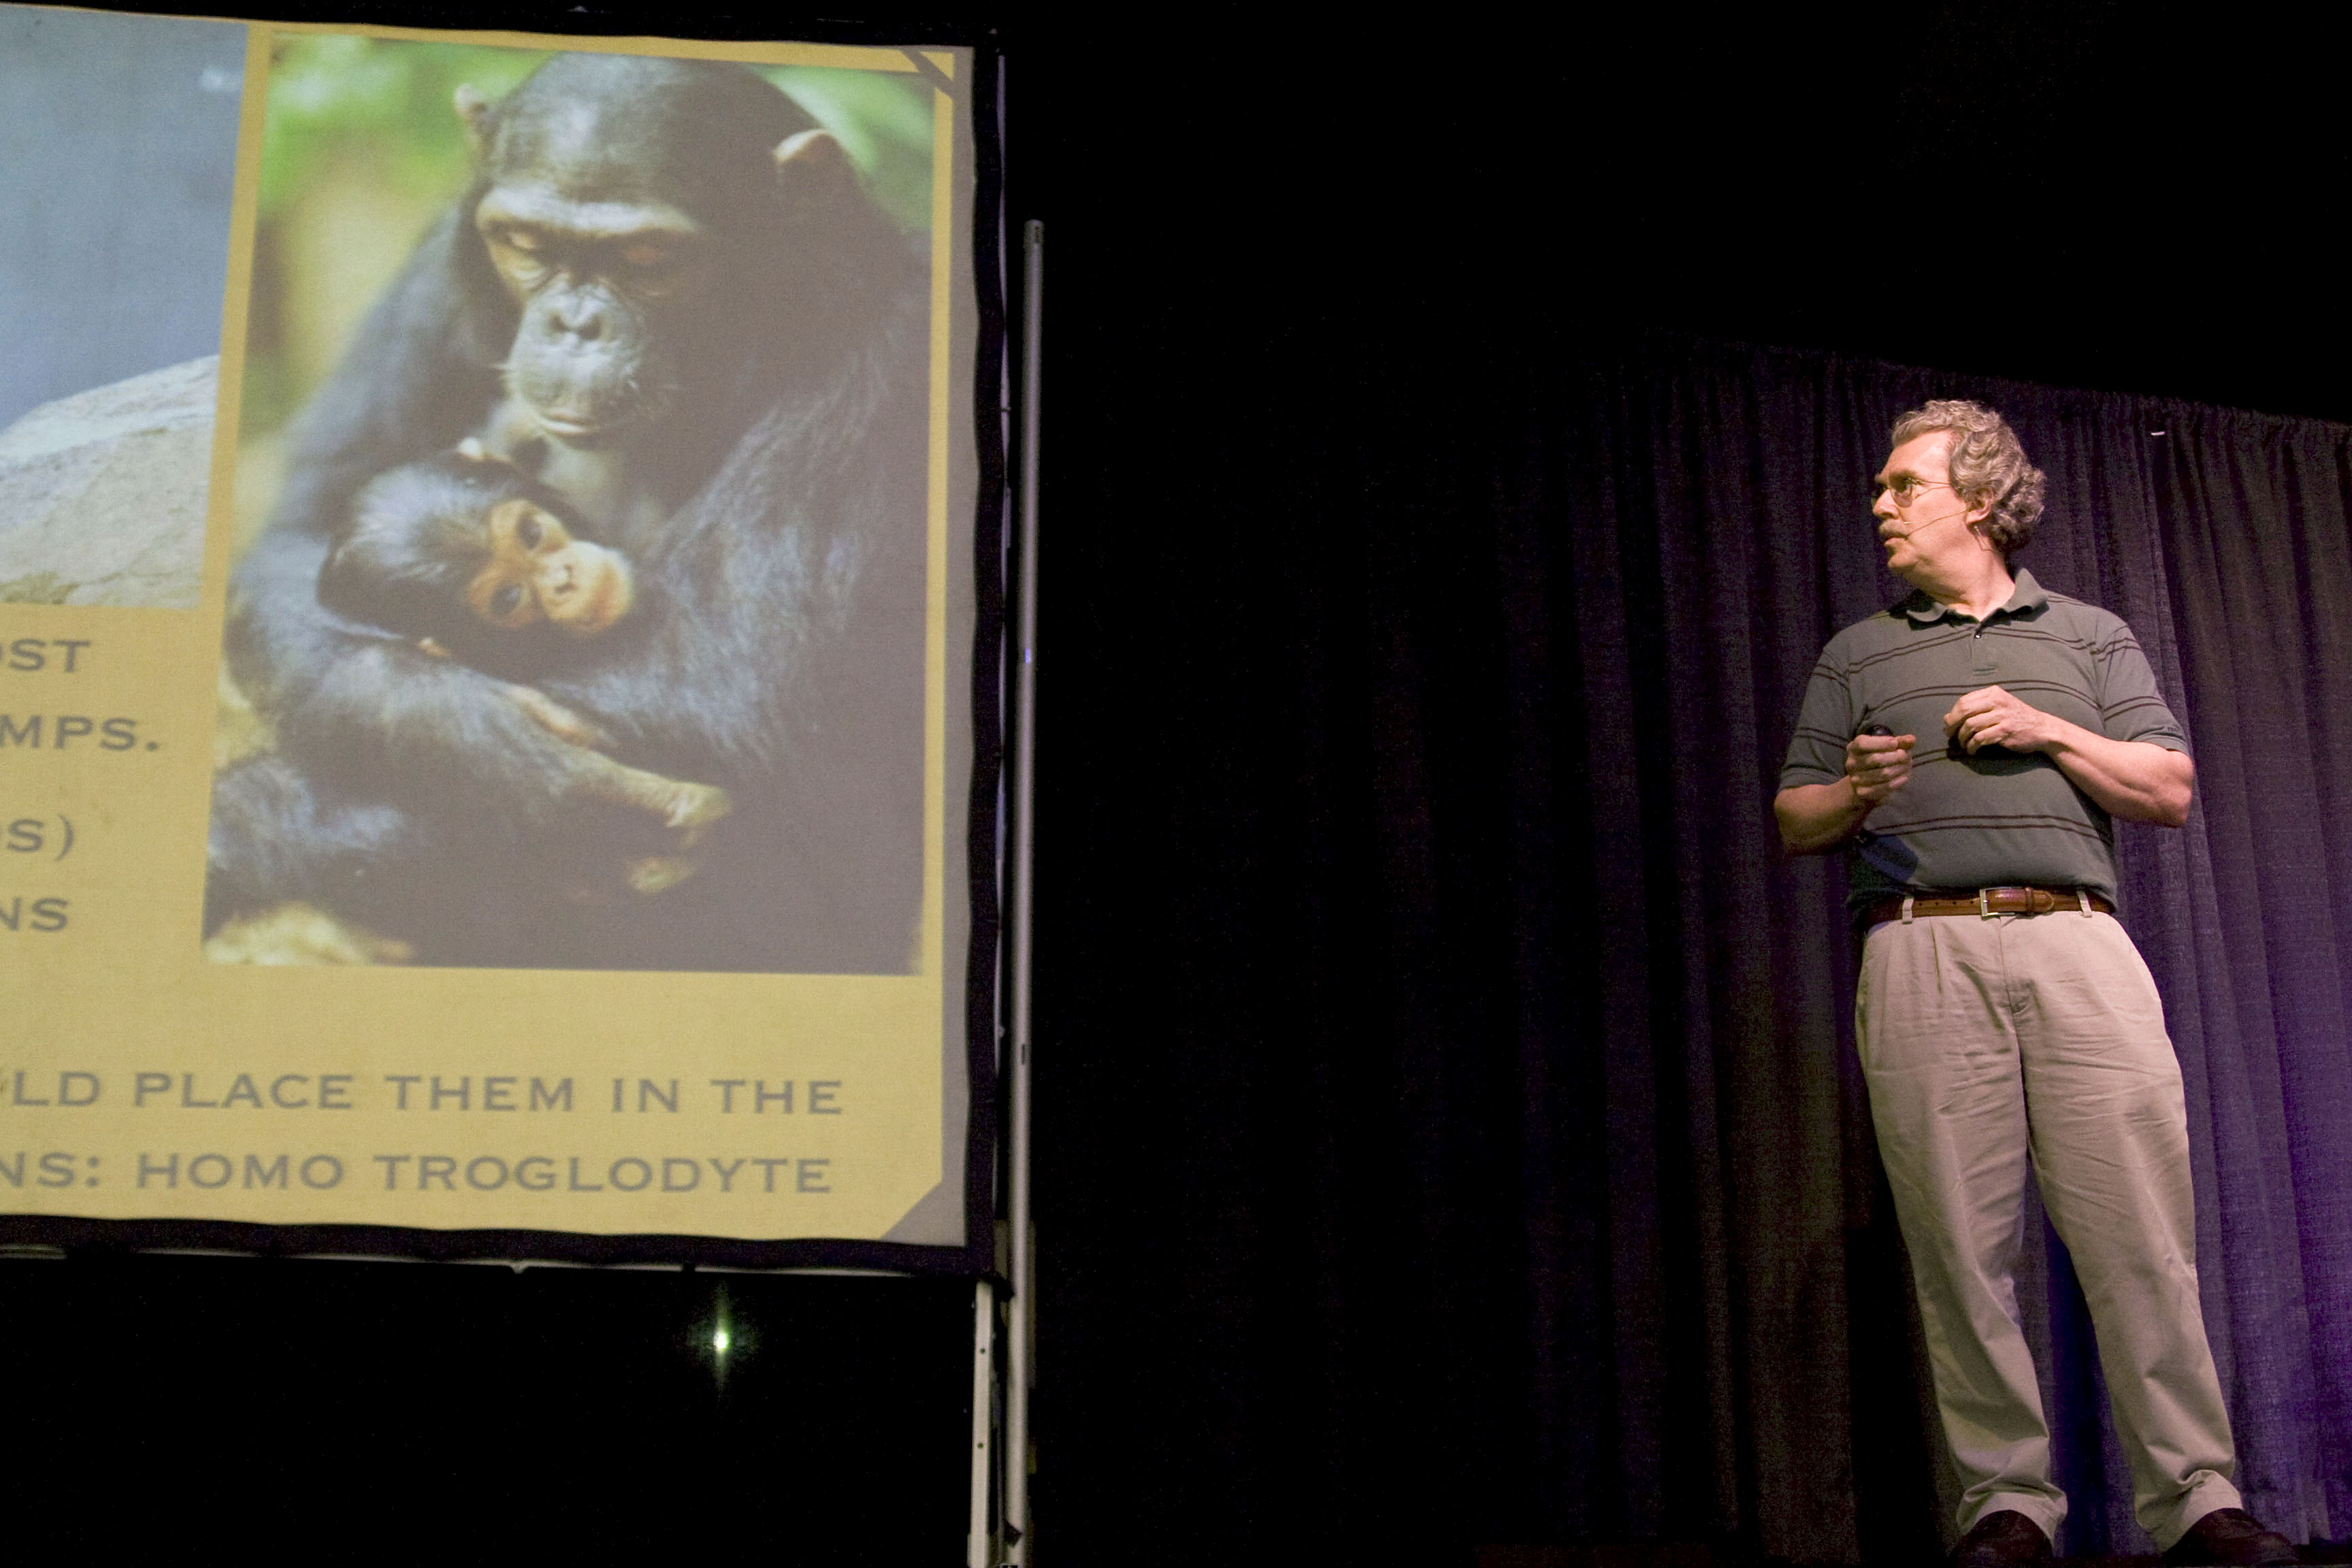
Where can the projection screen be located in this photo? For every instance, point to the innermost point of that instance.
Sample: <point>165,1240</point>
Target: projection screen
<point>500,621</point>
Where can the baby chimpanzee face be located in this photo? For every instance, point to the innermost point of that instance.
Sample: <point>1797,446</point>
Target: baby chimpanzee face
<point>538,572</point>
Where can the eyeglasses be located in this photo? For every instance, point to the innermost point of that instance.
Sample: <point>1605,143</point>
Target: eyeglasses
<point>1904,486</point>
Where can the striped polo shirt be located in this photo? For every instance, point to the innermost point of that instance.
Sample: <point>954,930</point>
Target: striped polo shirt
<point>1999,816</point>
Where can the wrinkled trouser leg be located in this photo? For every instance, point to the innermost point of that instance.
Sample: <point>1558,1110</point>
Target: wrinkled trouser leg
<point>1982,1041</point>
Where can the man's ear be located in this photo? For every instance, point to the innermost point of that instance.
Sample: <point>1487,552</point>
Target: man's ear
<point>475,111</point>
<point>813,171</point>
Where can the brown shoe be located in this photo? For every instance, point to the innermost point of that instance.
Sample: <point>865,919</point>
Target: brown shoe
<point>2230,1535</point>
<point>2002,1538</point>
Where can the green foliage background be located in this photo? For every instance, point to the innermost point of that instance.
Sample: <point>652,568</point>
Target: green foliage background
<point>362,150</point>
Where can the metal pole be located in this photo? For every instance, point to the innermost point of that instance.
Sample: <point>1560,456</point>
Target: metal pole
<point>983,1388</point>
<point>1024,872</point>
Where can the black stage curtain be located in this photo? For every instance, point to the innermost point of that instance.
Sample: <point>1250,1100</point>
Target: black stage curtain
<point>1461,1141</point>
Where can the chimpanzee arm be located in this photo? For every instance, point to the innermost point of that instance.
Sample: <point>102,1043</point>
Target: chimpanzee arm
<point>788,593</point>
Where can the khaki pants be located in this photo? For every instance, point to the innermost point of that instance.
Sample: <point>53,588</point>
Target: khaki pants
<point>1981,1040</point>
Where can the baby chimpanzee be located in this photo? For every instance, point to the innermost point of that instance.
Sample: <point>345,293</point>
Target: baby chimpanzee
<point>477,563</point>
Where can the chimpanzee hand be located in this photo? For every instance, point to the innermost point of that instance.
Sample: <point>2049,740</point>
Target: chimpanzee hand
<point>685,808</point>
<point>559,720</point>
<point>688,810</point>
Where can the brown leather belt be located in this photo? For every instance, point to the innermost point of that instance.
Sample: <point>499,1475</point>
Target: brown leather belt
<point>1984,904</point>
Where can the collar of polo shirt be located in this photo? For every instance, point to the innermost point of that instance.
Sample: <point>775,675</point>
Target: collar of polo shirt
<point>2027,595</point>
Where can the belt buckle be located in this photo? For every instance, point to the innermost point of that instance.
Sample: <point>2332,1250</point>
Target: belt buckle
<point>2029,900</point>
<point>1985,898</point>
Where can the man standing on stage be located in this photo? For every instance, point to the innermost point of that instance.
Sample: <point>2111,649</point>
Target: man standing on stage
<point>2003,1013</point>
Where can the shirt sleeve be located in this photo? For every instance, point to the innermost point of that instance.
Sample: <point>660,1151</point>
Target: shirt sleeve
<point>2131,708</point>
<point>1825,722</point>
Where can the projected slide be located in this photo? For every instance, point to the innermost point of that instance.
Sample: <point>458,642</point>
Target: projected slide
<point>486,629</point>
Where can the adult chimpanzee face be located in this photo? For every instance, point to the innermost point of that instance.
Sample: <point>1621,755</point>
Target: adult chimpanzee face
<point>603,277</point>
<point>595,281</point>
<point>632,209</point>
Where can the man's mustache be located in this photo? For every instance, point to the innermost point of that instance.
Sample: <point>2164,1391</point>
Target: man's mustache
<point>1923,523</point>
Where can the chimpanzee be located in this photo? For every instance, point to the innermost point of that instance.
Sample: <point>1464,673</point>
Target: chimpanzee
<point>667,297</point>
<point>477,563</point>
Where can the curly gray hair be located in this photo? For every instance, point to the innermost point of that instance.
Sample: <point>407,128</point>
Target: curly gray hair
<point>1988,465</point>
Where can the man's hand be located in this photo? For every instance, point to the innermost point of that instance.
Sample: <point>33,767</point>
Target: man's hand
<point>1878,766</point>
<point>1989,716</point>
<point>2136,780</point>
<point>1814,817</point>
